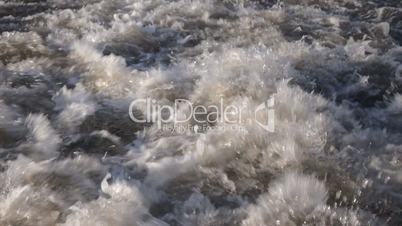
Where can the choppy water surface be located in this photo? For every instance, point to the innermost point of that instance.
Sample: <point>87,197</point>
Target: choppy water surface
<point>70,155</point>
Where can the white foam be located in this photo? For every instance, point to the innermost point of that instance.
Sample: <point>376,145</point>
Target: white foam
<point>43,141</point>
<point>74,105</point>
<point>293,198</point>
<point>125,206</point>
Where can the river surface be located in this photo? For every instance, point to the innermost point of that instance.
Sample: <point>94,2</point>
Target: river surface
<point>330,72</point>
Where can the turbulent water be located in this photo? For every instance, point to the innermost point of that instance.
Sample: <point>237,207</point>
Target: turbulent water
<point>71,155</point>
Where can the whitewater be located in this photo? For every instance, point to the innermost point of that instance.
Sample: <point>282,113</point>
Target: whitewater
<point>71,154</point>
